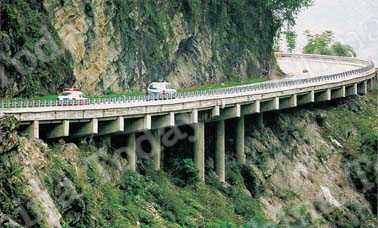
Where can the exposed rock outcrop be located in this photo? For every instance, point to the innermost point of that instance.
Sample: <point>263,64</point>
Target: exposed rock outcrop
<point>120,44</point>
<point>22,159</point>
<point>301,175</point>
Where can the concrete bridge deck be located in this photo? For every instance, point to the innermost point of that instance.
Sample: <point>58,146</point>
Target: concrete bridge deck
<point>328,78</point>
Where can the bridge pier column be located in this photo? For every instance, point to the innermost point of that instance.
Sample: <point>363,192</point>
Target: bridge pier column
<point>338,93</point>
<point>323,95</point>
<point>220,151</point>
<point>199,149</point>
<point>293,101</point>
<point>156,148</point>
<point>351,90</point>
<point>60,130</point>
<point>362,88</point>
<point>240,132</point>
<point>32,130</point>
<point>370,84</point>
<point>260,120</point>
<point>131,151</point>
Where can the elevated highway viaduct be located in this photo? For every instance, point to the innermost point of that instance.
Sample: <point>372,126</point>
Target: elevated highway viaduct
<point>327,78</point>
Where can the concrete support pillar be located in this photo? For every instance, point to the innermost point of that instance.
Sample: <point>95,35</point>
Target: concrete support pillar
<point>256,106</point>
<point>112,126</point>
<point>199,149</point>
<point>137,124</point>
<point>32,130</point>
<point>362,88</point>
<point>306,98</point>
<point>293,101</point>
<point>240,134</point>
<point>131,151</point>
<point>260,121</point>
<point>276,103</point>
<point>370,84</point>
<point>351,90</point>
<point>215,112</point>
<point>220,151</point>
<point>60,130</point>
<point>248,109</point>
<point>156,148</point>
<point>338,93</point>
<point>343,93</point>
<point>194,116</point>
<point>355,88</point>
<point>89,128</point>
<point>231,112</point>
<point>324,95</point>
<point>328,95</point>
<point>270,105</point>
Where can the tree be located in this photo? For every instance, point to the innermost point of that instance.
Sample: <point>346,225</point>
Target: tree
<point>340,49</point>
<point>318,43</point>
<point>291,41</point>
<point>324,44</point>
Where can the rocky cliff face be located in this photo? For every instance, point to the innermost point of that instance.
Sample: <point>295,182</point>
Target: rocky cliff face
<point>117,44</point>
<point>103,45</point>
<point>316,166</point>
<point>32,58</point>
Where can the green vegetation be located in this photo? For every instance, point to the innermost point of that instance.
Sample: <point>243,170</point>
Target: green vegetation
<point>291,41</point>
<point>242,34</point>
<point>32,58</point>
<point>355,125</point>
<point>324,44</point>
<point>241,31</point>
<point>12,192</point>
<point>154,199</point>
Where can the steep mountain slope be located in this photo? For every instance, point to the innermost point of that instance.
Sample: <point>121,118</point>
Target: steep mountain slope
<point>32,58</point>
<point>112,45</point>
<point>309,167</point>
<point>117,44</point>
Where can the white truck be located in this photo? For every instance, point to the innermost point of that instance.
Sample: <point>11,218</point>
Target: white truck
<point>161,90</point>
<point>72,96</point>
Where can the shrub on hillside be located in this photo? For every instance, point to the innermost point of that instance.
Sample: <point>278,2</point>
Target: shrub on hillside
<point>185,173</point>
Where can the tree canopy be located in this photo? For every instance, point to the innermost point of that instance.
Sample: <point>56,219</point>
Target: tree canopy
<point>324,44</point>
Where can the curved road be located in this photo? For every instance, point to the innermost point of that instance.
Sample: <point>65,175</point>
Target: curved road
<point>295,66</point>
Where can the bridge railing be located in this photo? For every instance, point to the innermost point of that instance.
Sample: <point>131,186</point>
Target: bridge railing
<point>270,85</point>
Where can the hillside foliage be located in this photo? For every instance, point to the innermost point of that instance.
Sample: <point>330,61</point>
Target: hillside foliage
<point>324,44</point>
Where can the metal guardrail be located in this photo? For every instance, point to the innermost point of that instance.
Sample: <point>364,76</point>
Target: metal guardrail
<point>222,91</point>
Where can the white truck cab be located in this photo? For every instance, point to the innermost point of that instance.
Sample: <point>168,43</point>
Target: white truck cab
<point>161,89</point>
<point>72,95</point>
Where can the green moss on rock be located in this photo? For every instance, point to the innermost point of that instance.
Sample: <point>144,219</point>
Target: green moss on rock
<point>32,59</point>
